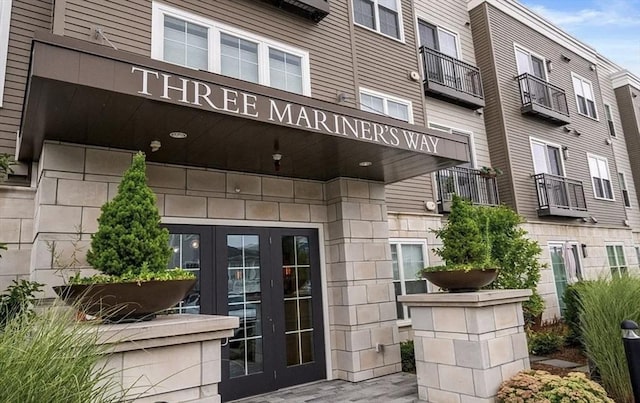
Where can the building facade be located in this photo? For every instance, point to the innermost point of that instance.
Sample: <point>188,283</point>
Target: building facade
<point>301,152</point>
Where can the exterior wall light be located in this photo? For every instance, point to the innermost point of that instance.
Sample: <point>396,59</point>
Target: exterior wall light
<point>549,66</point>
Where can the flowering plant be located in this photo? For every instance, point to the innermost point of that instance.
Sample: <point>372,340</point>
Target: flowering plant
<point>543,387</point>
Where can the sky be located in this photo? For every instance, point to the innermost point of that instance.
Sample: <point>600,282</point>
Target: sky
<point>612,27</point>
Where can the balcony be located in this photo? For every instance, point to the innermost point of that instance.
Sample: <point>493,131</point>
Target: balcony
<point>539,98</point>
<point>467,183</point>
<point>314,10</point>
<point>559,196</point>
<point>451,79</point>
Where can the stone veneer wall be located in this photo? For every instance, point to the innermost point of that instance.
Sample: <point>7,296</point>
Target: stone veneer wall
<point>74,181</point>
<point>16,231</point>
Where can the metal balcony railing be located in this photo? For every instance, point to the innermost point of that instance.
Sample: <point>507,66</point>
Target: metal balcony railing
<point>467,183</point>
<point>451,77</point>
<point>541,98</point>
<point>560,196</point>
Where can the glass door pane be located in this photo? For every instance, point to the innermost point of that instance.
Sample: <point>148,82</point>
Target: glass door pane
<point>245,302</point>
<point>186,255</point>
<point>559,273</point>
<point>298,310</point>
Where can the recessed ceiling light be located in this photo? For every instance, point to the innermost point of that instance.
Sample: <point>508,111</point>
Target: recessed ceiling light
<point>365,163</point>
<point>178,135</point>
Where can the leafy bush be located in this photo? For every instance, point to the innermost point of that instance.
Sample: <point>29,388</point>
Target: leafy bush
<point>545,341</point>
<point>18,299</point>
<point>408,356</point>
<point>129,237</point>
<point>541,386</point>
<point>605,304</point>
<point>48,357</point>
<point>532,309</point>
<point>573,308</point>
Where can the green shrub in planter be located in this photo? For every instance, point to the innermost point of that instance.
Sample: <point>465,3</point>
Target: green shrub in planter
<point>408,356</point>
<point>542,387</point>
<point>544,342</point>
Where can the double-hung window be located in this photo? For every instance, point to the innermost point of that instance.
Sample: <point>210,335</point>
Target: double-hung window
<point>617,261</point>
<point>5,19</point>
<point>584,96</point>
<point>196,42</point>
<point>383,16</point>
<point>600,177</point>
<point>408,257</point>
<point>372,101</point>
<point>624,189</point>
<point>609,116</point>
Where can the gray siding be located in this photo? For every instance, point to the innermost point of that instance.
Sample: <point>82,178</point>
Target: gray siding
<point>504,32</point>
<point>27,16</point>
<point>629,109</point>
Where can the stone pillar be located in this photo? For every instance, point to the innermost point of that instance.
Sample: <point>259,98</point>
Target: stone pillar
<point>174,358</point>
<point>362,312</point>
<point>466,344</point>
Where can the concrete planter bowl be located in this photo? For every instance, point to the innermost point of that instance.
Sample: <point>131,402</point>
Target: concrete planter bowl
<point>125,302</point>
<point>460,280</point>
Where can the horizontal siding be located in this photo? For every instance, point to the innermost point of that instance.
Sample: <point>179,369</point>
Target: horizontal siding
<point>504,32</point>
<point>409,195</point>
<point>27,16</point>
<point>128,25</point>
<point>629,109</point>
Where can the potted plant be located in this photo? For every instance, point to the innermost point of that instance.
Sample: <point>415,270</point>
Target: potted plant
<point>466,251</point>
<point>132,252</point>
<point>489,172</point>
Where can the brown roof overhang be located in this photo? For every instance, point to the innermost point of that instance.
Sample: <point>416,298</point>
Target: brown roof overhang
<point>83,93</point>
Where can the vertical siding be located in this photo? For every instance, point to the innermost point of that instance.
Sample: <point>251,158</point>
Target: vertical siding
<point>629,109</point>
<point>27,16</point>
<point>128,25</point>
<point>504,32</point>
<point>493,114</point>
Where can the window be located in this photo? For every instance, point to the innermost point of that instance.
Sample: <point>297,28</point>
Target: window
<point>408,258</point>
<point>372,101</point>
<point>565,264</point>
<point>5,19</point>
<point>472,154</point>
<point>546,158</point>
<point>528,62</point>
<point>438,39</point>
<point>617,261</point>
<point>609,115</point>
<point>189,40</point>
<point>383,16</point>
<point>584,96</point>
<point>599,170</point>
<point>623,188</point>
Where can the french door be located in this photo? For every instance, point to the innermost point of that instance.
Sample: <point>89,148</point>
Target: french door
<point>270,279</point>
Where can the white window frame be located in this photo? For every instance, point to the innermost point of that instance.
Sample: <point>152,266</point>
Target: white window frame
<point>606,161</point>
<point>385,98</point>
<point>403,288</point>
<point>593,94</point>
<point>618,265</point>
<point>376,16</point>
<point>421,18</point>
<point>5,24</point>
<point>624,187</point>
<point>580,275</point>
<point>159,11</point>
<point>608,113</point>
<point>517,47</point>
<point>453,130</point>
<point>547,143</point>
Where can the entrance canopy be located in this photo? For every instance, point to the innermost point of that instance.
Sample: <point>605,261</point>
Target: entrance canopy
<point>83,93</point>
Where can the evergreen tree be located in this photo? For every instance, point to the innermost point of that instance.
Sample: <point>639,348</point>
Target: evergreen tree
<point>129,237</point>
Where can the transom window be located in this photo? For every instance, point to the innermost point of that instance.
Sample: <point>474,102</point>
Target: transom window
<point>192,41</point>
<point>408,258</point>
<point>584,96</point>
<point>372,101</point>
<point>599,170</point>
<point>383,16</point>
<point>617,261</point>
<point>546,158</point>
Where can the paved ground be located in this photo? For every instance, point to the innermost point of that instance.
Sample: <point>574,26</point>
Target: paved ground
<point>394,388</point>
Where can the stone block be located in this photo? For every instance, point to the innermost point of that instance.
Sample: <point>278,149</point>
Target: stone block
<point>335,189</point>
<point>380,230</point>
<point>206,180</point>
<point>427,374</point>
<point>226,208</point>
<point>107,162</point>
<point>471,354</point>
<point>166,177</point>
<point>520,349</point>
<point>456,379</point>
<point>449,319</point>
<point>388,311</point>
<point>343,315</point>
<point>277,187</point>
<point>500,351</point>
<point>506,316</point>
<point>358,189</point>
<point>60,157</point>
<point>422,318</point>
<point>376,191</point>
<point>370,359</point>
<point>81,193</point>
<point>90,219</point>
<point>308,190</point>
<point>382,335</point>
<point>185,206</point>
<point>211,362</point>
<point>480,320</point>
<point>346,361</point>
<point>441,396</point>
<point>359,340</point>
<point>487,381</point>
<point>370,212</point>
<point>384,269</point>
<point>364,271</point>
<point>257,210</point>
<point>246,184</point>
<point>26,231</point>
<point>361,375</point>
<point>360,229</point>
<point>353,252</point>
<point>378,293</point>
<point>294,212</point>
<point>348,211</point>
<point>47,191</point>
<point>439,351</point>
<point>10,230</point>
<point>367,314</point>
<point>376,251</point>
<point>58,219</point>
<point>354,295</point>
<point>16,208</point>
<point>15,262</point>
<point>318,213</point>
<point>511,368</point>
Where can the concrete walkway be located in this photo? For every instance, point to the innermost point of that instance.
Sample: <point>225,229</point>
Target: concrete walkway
<point>395,388</point>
